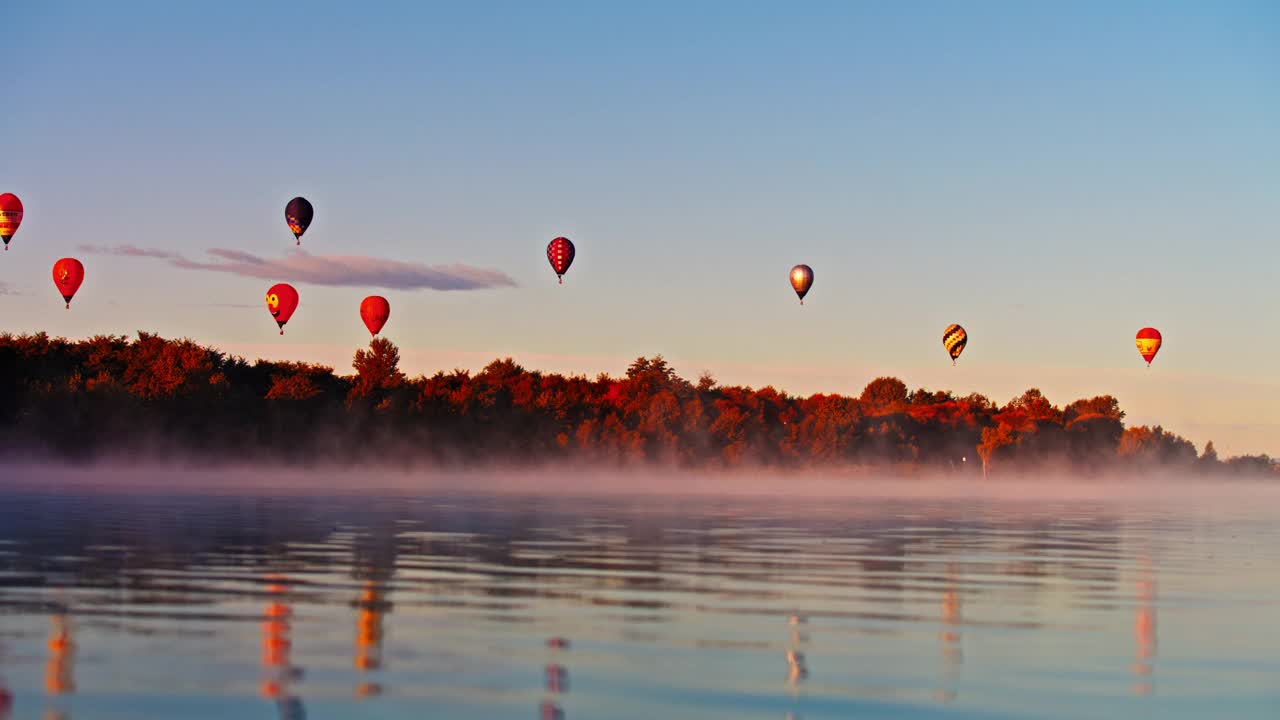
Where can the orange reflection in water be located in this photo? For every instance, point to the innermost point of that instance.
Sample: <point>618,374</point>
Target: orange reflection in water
<point>59,675</point>
<point>277,651</point>
<point>949,638</point>
<point>1144,633</point>
<point>369,633</point>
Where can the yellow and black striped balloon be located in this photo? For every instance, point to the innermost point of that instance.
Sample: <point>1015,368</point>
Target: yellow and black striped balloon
<point>954,339</point>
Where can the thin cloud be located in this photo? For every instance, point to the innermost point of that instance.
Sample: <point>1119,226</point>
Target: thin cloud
<point>333,270</point>
<point>234,306</point>
<point>127,251</point>
<point>7,289</point>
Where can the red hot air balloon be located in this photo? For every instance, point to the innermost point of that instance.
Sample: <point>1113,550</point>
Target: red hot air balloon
<point>560,253</point>
<point>1149,343</point>
<point>298,213</point>
<point>68,273</point>
<point>375,310</point>
<point>282,300</point>
<point>10,217</point>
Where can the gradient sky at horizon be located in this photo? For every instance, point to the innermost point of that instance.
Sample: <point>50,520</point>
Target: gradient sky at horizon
<point>1053,177</point>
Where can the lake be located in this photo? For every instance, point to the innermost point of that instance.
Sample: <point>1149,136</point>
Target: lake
<point>132,601</point>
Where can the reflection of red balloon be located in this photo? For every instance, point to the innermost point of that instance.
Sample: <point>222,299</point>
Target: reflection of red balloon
<point>68,273</point>
<point>10,217</point>
<point>375,310</point>
<point>560,253</point>
<point>282,300</point>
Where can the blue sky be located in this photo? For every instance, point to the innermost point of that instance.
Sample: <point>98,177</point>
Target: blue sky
<point>1051,176</point>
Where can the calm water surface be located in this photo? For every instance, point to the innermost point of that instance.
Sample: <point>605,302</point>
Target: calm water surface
<point>135,604</point>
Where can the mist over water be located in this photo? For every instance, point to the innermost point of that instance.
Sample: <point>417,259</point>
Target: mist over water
<point>174,592</point>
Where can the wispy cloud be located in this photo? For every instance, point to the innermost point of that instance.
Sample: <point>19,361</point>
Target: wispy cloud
<point>233,306</point>
<point>334,270</point>
<point>7,289</point>
<point>127,251</point>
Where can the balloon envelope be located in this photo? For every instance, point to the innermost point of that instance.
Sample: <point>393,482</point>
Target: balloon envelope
<point>282,300</point>
<point>298,213</point>
<point>801,280</point>
<point>375,310</point>
<point>954,338</point>
<point>68,273</point>
<point>560,253</point>
<point>1149,341</point>
<point>10,217</point>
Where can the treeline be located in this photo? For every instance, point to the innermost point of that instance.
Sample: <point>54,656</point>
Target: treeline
<point>109,396</point>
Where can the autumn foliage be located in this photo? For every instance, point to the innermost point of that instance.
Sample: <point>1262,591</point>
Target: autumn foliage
<point>111,396</point>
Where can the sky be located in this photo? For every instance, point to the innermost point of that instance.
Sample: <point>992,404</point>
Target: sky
<point>1051,176</point>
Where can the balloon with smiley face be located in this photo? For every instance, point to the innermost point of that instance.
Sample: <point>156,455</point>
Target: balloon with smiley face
<point>282,300</point>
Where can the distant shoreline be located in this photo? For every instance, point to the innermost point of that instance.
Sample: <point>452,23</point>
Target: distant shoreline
<point>154,400</point>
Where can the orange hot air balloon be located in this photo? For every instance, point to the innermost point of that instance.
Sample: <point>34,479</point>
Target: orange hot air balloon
<point>68,273</point>
<point>282,300</point>
<point>298,214</point>
<point>10,217</point>
<point>1149,343</point>
<point>801,280</point>
<point>560,253</point>
<point>374,311</point>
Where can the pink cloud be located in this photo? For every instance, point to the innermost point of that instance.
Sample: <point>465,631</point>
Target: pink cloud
<point>334,270</point>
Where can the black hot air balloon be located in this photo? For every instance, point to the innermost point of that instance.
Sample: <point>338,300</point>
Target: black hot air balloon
<point>298,213</point>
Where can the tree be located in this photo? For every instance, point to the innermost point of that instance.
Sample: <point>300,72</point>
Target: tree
<point>993,439</point>
<point>1035,406</point>
<point>884,395</point>
<point>1102,405</point>
<point>377,371</point>
<point>1154,446</point>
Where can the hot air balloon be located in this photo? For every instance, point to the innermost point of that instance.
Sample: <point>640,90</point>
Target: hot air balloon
<point>954,338</point>
<point>298,213</point>
<point>560,253</point>
<point>282,300</point>
<point>802,280</point>
<point>68,273</point>
<point>10,217</point>
<point>375,310</point>
<point>1149,343</point>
